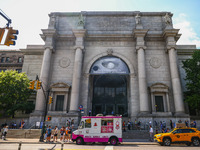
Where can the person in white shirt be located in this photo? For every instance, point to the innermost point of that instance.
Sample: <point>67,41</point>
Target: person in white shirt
<point>5,131</point>
<point>151,133</point>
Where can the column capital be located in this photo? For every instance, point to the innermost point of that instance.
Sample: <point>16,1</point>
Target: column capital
<point>77,46</point>
<point>48,46</point>
<point>138,47</point>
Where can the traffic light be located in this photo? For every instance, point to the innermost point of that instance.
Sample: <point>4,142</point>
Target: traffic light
<point>2,30</point>
<point>48,118</point>
<point>50,100</point>
<point>38,85</point>
<point>31,85</point>
<point>11,36</point>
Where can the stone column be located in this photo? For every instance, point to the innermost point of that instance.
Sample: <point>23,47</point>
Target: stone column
<point>144,103</point>
<point>139,34</point>
<point>170,35</point>
<point>44,76</point>
<point>176,84</point>
<point>48,36</point>
<point>74,103</point>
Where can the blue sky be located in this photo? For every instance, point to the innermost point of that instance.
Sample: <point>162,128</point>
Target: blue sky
<point>30,16</point>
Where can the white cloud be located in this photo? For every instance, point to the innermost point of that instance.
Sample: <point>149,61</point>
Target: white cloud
<point>189,36</point>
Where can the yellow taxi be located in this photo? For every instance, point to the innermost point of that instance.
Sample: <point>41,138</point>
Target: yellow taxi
<point>179,135</point>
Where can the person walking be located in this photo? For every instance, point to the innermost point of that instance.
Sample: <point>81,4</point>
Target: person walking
<point>4,132</point>
<point>124,126</point>
<point>55,133</point>
<point>62,133</point>
<point>48,139</point>
<point>151,133</point>
<point>66,134</point>
<point>69,134</point>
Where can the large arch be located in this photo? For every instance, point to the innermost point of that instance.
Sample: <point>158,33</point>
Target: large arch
<point>95,58</point>
<point>109,77</point>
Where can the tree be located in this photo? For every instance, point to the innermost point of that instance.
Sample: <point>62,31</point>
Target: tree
<point>192,69</point>
<point>14,92</point>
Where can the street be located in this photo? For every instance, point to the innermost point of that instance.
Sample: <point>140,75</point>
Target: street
<point>123,146</point>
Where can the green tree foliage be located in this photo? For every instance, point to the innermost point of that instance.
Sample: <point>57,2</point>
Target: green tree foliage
<point>192,69</point>
<point>14,92</point>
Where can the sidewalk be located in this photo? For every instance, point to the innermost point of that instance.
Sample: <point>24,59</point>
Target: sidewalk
<point>36,141</point>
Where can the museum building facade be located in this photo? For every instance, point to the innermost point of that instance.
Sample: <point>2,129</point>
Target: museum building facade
<point>110,63</point>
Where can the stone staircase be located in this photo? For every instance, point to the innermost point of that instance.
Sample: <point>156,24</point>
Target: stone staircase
<point>36,133</point>
<point>24,133</point>
<point>136,134</point>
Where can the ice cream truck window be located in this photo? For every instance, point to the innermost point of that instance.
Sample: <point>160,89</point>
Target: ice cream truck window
<point>88,123</point>
<point>107,126</point>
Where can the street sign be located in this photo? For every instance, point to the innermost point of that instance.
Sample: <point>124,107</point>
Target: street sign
<point>80,107</point>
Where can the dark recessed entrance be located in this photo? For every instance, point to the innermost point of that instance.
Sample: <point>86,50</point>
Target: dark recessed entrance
<point>109,81</point>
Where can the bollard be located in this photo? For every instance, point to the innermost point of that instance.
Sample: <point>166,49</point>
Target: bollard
<point>20,144</point>
<point>61,146</point>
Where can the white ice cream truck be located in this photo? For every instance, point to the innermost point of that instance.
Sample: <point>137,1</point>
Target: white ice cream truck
<point>102,129</point>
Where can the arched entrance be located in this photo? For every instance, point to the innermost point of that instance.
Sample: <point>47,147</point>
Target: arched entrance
<point>109,77</point>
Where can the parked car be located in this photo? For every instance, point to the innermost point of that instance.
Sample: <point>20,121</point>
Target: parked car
<point>179,135</point>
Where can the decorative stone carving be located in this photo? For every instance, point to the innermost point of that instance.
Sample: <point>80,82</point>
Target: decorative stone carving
<point>110,51</point>
<point>81,21</point>
<point>167,19</point>
<point>137,19</point>
<point>155,62</point>
<point>52,22</point>
<point>64,62</point>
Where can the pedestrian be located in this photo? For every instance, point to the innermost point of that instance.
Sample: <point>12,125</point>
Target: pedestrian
<point>171,124</point>
<point>66,134</point>
<point>45,131</point>
<point>48,139</point>
<point>129,125</point>
<point>4,132</point>
<point>55,133</point>
<point>194,124</point>
<point>90,112</point>
<point>62,133</point>
<point>164,124</point>
<point>151,133</point>
<point>156,131</point>
<point>124,126</point>
<point>136,124</point>
<point>69,134</point>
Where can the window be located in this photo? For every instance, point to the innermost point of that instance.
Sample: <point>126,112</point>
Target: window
<point>7,59</point>
<point>159,104</point>
<point>2,59</point>
<point>19,59</point>
<point>188,131</point>
<point>107,126</point>
<point>59,102</point>
<point>19,70</point>
<point>178,131</point>
<point>88,123</point>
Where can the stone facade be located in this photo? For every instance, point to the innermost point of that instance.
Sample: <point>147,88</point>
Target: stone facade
<point>144,41</point>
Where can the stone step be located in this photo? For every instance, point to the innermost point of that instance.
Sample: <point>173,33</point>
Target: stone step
<point>135,134</point>
<point>24,133</point>
<point>36,133</point>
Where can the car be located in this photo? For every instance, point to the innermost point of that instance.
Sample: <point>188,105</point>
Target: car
<point>179,135</point>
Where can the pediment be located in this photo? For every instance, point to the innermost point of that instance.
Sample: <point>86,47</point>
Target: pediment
<point>159,87</point>
<point>60,85</point>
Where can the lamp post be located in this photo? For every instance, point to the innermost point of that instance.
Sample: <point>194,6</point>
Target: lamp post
<point>45,112</point>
